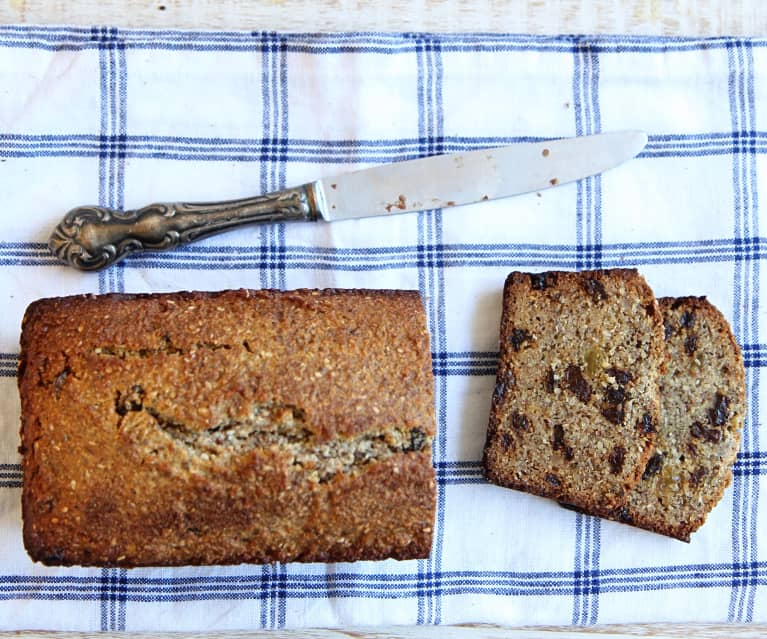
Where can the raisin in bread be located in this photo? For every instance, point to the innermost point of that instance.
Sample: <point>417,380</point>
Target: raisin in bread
<point>576,405</point>
<point>216,428</point>
<point>703,403</point>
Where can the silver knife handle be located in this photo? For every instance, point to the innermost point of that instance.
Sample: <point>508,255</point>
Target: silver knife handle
<point>94,237</point>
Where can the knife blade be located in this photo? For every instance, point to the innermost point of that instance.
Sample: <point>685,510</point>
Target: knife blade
<point>94,237</point>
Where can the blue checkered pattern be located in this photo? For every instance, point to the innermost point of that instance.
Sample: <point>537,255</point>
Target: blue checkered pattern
<point>125,117</point>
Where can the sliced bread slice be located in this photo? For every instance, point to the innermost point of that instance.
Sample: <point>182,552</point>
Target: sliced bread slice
<point>703,405</point>
<point>576,405</point>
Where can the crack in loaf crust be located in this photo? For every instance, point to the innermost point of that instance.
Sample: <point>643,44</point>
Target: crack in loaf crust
<point>703,404</point>
<point>575,409</point>
<point>240,426</point>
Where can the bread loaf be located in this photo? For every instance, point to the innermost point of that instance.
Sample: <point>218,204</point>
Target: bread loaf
<point>218,428</point>
<point>575,410</point>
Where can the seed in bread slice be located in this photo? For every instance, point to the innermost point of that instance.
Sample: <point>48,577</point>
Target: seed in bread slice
<point>703,404</point>
<point>576,404</point>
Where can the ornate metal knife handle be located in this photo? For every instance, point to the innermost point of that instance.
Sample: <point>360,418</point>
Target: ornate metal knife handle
<point>93,237</point>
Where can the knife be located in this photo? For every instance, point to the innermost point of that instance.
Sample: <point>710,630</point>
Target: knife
<point>94,237</point>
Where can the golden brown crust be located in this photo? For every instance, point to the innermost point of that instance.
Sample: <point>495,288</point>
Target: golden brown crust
<point>241,426</point>
<point>576,405</point>
<point>703,408</point>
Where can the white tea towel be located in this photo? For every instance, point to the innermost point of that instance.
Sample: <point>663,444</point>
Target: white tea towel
<point>128,117</point>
